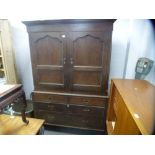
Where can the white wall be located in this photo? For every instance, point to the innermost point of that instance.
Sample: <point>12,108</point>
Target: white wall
<point>120,39</point>
<point>136,32</point>
<point>139,34</point>
<point>142,44</point>
<point>22,56</point>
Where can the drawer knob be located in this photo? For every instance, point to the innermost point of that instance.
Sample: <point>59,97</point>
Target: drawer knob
<point>86,101</point>
<point>51,98</point>
<point>51,106</point>
<point>64,61</point>
<point>51,117</point>
<point>63,36</point>
<point>86,109</point>
<point>85,121</point>
<point>71,61</point>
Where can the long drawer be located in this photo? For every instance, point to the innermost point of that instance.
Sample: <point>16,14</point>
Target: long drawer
<point>49,98</point>
<point>70,109</point>
<point>92,101</point>
<point>89,122</point>
<point>69,99</point>
<point>116,100</point>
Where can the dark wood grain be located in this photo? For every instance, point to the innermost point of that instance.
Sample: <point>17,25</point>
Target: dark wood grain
<point>70,63</point>
<point>87,121</point>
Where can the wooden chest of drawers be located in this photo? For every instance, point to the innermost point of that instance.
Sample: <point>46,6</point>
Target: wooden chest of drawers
<point>131,107</point>
<point>79,111</point>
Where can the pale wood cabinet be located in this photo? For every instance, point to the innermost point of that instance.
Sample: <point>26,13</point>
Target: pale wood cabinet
<point>7,61</point>
<point>131,107</point>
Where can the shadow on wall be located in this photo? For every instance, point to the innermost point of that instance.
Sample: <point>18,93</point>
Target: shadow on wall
<point>22,56</point>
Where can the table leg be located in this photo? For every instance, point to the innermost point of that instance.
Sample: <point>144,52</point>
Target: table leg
<point>41,131</point>
<point>24,108</point>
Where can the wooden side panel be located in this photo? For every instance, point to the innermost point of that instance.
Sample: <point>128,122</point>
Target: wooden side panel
<point>7,52</point>
<point>86,78</point>
<point>87,50</point>
<point>125,124</point>
<point>2,67</point>
<point>110,111</point>
<point>49,51</point>
<point>119,119</point>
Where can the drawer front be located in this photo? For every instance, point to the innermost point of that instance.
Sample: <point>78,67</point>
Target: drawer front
<point>51,107</point>
<point>51,118</point>
<point>116,100</point>
<point>87,110</point>
<point>70,109</point>
<point>71,120</point>
<point>49,98</point>
<point>93,101</point>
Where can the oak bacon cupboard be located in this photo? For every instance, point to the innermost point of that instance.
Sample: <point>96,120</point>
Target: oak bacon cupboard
<point>70,63</point>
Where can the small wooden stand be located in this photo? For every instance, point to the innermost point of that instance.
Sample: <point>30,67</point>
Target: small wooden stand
<point>13,125</point>
<point>9,93</point>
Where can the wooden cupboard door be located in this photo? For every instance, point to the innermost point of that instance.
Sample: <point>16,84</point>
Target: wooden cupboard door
<point>49,60</point>
<point>89,60</point>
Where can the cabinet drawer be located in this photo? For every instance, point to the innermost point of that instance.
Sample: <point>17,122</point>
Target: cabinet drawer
<point>87,100</point>
<point>71,120</point>
<point>52,118</point>
<point>87,111</point>
<point>57,119</point>
<point>49,98</point>
<point>51,107</point>
<point>70,109</point>
<point>116,100</point>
